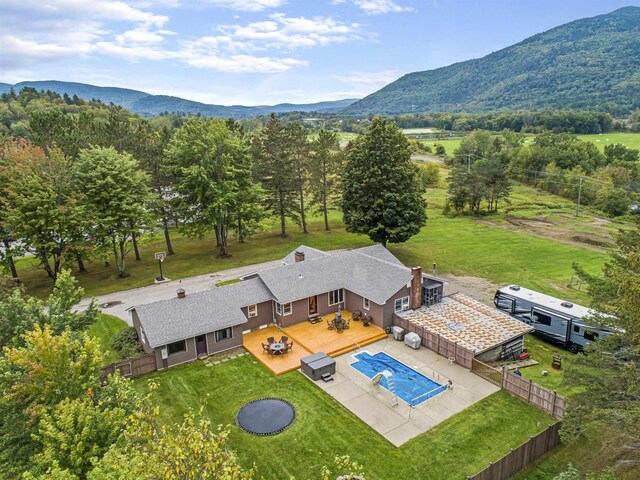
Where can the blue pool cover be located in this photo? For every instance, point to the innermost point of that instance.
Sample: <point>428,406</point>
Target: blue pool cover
<point>411,386</point>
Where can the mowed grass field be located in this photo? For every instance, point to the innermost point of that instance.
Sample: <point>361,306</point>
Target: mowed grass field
<point>631,140</point>
<point>323,429</point>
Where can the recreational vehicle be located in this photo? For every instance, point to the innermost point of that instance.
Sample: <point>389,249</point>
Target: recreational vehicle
<point>555,320</point>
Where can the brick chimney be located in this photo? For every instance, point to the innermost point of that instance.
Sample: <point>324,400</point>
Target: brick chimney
<point>181,293</point>
<point>416,287</point>
<point>299,256</point>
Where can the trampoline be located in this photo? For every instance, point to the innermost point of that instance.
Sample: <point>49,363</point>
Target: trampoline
<point>266,416</point>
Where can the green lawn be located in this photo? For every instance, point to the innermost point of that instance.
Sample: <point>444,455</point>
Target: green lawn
<point>462,445</point>
<point>631,140</point>
<point>542,352</point>
<point>104,329</point>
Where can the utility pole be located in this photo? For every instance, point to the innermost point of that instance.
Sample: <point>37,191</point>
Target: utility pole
<point>468,163</point>
<point>579,195</point>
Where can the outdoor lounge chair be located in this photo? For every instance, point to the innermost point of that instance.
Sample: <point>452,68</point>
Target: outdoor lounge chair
<point>271,340</point>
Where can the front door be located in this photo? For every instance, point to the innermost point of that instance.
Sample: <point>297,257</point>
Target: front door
<point>201,344</point>
<point>313,305</point>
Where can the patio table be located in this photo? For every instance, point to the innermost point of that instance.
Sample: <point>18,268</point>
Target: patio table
<point>276,348</point>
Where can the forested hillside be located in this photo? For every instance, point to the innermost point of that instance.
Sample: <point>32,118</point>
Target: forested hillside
<point>151,105</point>
<point>588,64</point>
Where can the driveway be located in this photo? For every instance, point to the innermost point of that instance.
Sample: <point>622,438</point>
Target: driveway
<point>119,302</point>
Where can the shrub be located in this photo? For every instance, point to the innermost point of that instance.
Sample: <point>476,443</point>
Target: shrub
<point>125,342</point>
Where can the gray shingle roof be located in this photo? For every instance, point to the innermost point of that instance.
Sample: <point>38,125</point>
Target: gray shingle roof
<point>175,319</point>
<point>376,277</point>
<point>372,272</point>
<point>309,254</point>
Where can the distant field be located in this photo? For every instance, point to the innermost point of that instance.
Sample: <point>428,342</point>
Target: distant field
<point>631,140</point>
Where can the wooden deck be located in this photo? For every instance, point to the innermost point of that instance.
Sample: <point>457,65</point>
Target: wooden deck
<point>310,338</point>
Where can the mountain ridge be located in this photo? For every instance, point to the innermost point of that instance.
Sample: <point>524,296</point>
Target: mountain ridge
<point>146,104</point>
<point>587,64</point>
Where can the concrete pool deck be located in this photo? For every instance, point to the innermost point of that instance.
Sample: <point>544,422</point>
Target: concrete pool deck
<point>401,423</point>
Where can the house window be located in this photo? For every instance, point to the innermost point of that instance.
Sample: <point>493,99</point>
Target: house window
<point>336,296</point>
<point>283,309</point>
<point>223,334</point>
<point>365,303</point>
<point>177,347</point>
<point>142,335</point>
<point>401,304</point>
<point>252,311</point>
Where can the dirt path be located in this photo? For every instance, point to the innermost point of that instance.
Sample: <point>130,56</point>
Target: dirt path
<point>479,288</point>
<point>542,227</point>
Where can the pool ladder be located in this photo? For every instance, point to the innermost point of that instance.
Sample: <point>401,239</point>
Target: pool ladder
<point>391,385</point>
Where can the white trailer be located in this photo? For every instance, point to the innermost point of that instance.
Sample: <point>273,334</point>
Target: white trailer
<point>553,319</point>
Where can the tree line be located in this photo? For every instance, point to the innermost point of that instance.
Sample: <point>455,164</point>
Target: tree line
<point>484,166</point>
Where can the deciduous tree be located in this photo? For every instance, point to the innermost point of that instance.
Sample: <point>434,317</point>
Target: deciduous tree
<point>212,169</point>
<point>117,199</point>
<point>43,205</point>
<point>382,197</point>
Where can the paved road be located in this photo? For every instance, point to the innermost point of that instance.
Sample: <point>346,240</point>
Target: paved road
<point>153,293</point>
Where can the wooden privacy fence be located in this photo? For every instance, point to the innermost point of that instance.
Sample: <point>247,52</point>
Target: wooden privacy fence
<point>520,457</point>
<point>132,367</point>
<point>437,343</point>
<point>543,398</point>
<point>529,391</point>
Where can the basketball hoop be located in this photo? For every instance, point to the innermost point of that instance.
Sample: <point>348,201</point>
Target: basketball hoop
<point>160,256</point>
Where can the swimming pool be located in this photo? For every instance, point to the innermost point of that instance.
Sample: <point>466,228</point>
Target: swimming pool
<point>411,386</point>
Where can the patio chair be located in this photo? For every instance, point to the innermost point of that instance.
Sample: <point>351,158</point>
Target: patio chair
<point>330,324</point>
<point>271,340</point>
<point>345,324</point>
<point>357,315</point>
<point>366,320</point>
<point>265,348</point>
<point>284,339</point>
<point>290,345</point>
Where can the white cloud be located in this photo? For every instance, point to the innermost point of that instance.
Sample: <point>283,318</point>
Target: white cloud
<point>62,30</point>
<point>284,32</point>
<point>236,49</point>
<point>378,7</point>
<point>375,79</point>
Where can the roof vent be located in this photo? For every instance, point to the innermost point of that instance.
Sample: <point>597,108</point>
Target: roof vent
<point>514,287</point>
<point>567,304</point>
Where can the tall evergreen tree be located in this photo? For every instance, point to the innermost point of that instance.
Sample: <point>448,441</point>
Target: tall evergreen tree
<point>298,138</point>
<point>276,172</point>
<point>606,377</point>
<point>324,173</point>
<point>382,197</point>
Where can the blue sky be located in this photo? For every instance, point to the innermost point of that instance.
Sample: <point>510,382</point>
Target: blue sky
<point>256,52</point>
